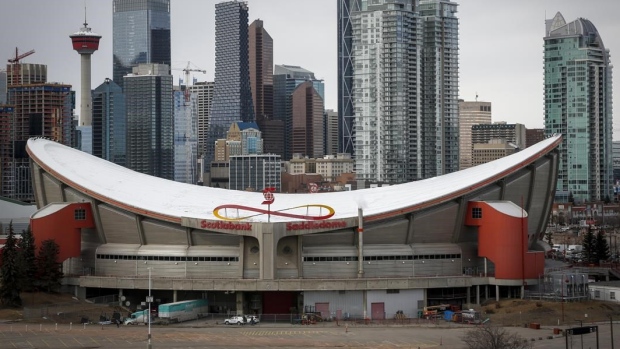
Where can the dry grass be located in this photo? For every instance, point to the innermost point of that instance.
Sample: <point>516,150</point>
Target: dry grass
<point>519,312</point>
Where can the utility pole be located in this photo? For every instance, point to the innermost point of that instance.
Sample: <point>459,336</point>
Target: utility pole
<point>611,326</point>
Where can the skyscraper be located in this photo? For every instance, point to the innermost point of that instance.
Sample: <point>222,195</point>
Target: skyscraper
<point>150,120</point>
<point>346,131</point>
<point>232,100</point>
<point>578,105</point>
<point>35,109</point>
<point>386,86</point>
<point>307,136</point>
<point>285,80</point>
<point>204,100</point>
<point>261,70</point>
<point>404,87</point>
<point>440,88</point>
<point>141,34</point>
<point>470,113</point>
<point>109,123</point>
<point>185,136</point>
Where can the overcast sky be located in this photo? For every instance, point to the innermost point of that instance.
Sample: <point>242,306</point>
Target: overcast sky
<point>501,43</point>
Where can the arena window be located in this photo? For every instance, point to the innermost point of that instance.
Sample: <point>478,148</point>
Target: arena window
<point>79,214</point>
<point>476,212</point>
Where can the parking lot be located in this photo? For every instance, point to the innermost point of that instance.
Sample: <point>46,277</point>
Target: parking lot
<point>199,335</point>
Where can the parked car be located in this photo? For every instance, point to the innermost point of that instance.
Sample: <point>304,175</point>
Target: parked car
<point>242,320</point>
<point>255,317</point>
<point>234,320</point>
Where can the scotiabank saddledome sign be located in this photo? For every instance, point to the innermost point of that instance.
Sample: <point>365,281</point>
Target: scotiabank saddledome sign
<point>231,214</point>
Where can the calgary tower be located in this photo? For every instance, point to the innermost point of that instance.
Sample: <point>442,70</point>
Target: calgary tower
<point>85,43</point>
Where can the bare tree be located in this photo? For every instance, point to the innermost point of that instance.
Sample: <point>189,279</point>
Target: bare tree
<point>494,337</point>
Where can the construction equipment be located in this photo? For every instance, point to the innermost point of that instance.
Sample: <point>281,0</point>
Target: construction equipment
<point>435,311</point>
<point>187,70</point>
<point>18,57</point>
<point>13,74</point>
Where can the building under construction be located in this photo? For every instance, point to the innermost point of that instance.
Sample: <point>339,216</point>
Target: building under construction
<point>35,108</point>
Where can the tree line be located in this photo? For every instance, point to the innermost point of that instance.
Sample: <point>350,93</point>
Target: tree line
<point>23,269</point>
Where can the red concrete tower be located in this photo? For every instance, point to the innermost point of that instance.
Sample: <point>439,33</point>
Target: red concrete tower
<point>85,43</point>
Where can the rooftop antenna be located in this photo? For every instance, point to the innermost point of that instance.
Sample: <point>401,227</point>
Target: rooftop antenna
<point>476,96</point>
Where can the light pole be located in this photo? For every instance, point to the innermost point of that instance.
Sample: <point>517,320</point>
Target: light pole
<point>611,326</point>
<point>149,299</point>
<point>581,335</point>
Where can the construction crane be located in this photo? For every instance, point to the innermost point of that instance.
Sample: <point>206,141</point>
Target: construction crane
<point>188,69</point>
<point>13,76</point>
<point>18,57</point>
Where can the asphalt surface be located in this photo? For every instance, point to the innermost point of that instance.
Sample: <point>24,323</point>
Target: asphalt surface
<point>200,335</point>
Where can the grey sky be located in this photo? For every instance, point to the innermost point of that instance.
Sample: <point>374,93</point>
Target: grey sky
<point>501,43</point>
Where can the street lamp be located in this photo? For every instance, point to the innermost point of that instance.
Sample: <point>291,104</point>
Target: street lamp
<point>149,299</point>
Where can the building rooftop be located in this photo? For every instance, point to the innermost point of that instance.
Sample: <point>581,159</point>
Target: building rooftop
<point>168,200</point>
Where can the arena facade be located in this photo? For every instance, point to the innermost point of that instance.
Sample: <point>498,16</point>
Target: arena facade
<point>458,238</point>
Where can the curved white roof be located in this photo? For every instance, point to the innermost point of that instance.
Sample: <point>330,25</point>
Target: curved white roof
<point>169,200</point>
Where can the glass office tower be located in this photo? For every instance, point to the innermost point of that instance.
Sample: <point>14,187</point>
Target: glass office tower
<point>232,99</point>
<point>150,120</point>
<point>578,105</point>
<point>109,123</point>
<point>141,34</point>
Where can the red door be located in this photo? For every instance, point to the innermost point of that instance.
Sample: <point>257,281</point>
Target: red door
<point>377,311</point>
<point>322,308</point>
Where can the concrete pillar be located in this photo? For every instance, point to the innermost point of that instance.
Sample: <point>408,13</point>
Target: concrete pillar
<point>497,293</point>
<point>522,291</point>
<point>486,292</point>
<point>267,252</point>
<point>365,300</point>
<point>174,296</point>
<point>239,305</point>
<point>120,297</point>
<point>477,294</point>
<point>468,297</point>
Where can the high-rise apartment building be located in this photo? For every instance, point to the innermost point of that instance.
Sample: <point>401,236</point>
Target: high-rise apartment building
<point>38,109</point>
<point>109,125</point>
<point>204,100</point>
<point>616,161</point>
<point>141,34</point>
<point>470,113</point>
<point>185,136</point>
<point>150,120</point>
<point>578,105</point>
<point>232,99</point>
<point>387,97</point>
<point>404,87</point>
<point>440,88</point>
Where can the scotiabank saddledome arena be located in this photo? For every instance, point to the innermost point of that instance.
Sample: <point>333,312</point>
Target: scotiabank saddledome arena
<point>454,239</point>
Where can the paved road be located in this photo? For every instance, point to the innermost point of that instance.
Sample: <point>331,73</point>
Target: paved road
<point>266,336</point>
